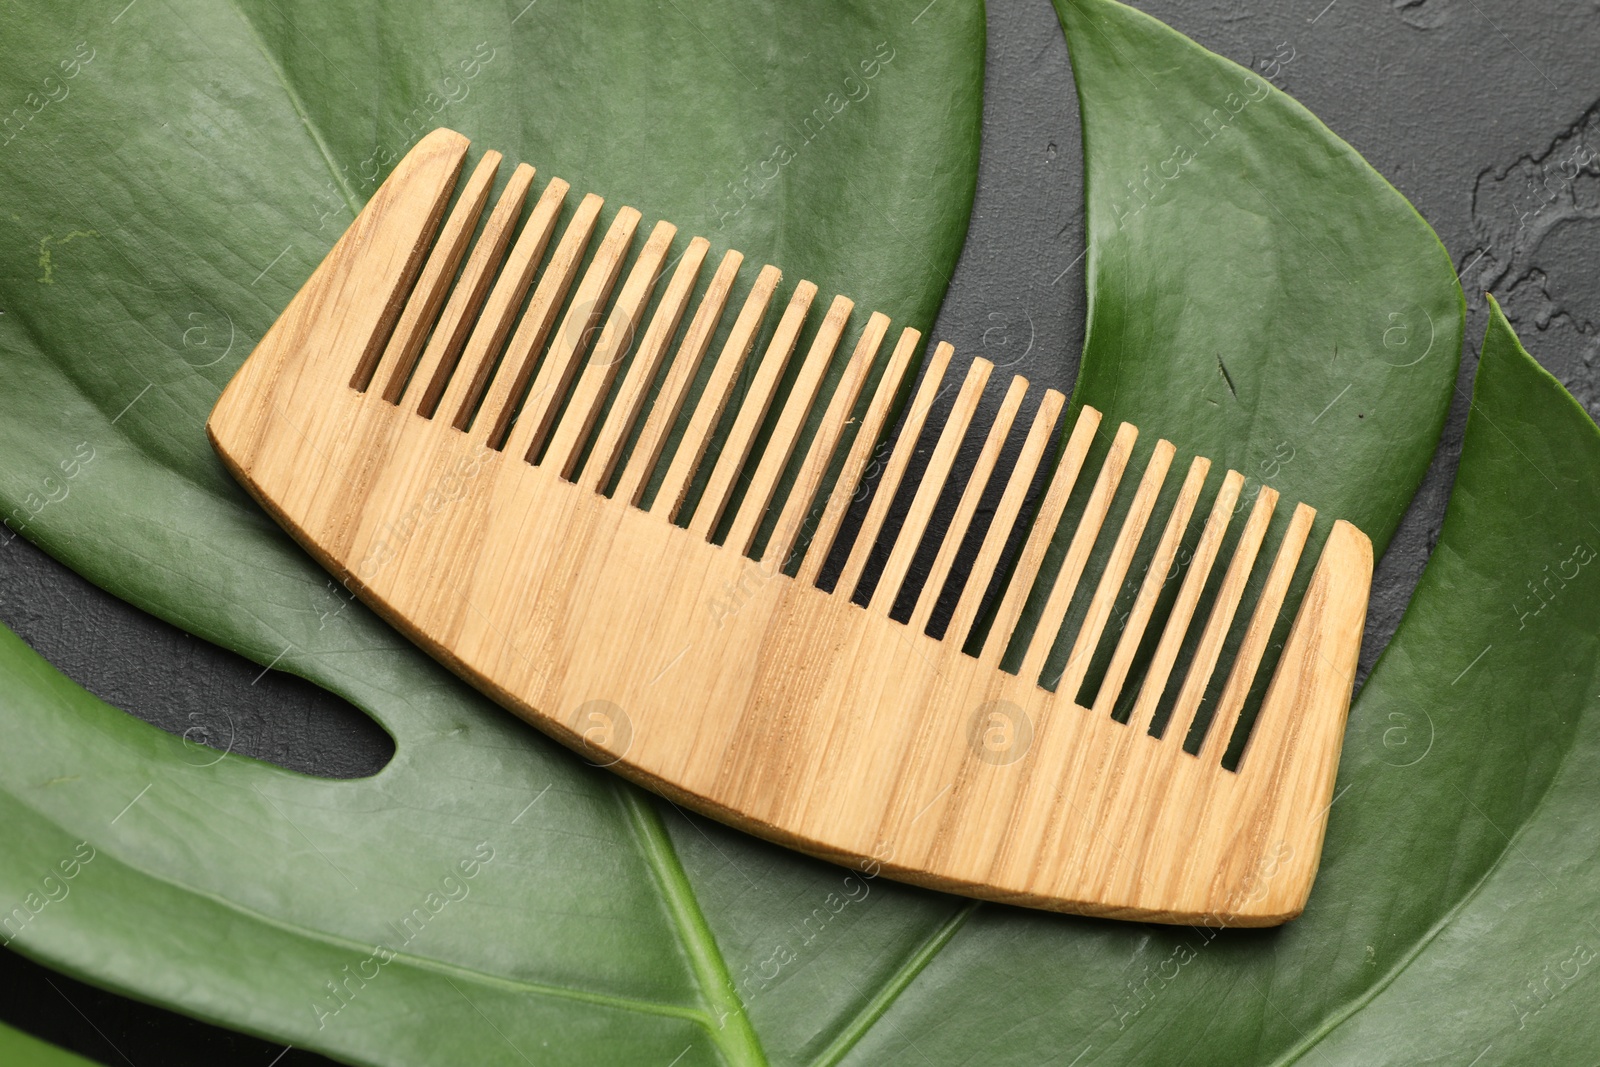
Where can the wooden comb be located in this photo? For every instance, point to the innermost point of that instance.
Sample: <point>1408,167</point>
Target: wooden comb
<point>475,463</point>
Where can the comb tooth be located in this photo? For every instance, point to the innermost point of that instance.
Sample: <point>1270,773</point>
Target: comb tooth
<point>1049,518</point>
<point>423,306</point>
<point>505,390</point>
<point>675,386</point>
<point>895,469</point>
<point>1155,579</point>
<point>461,310</point>
<point>708,412</point>
<point>489,335</point>
<point>642,371</point>
<point>943,457</point>
<point>566,444</point>
<point>787,529</point>
<point>855,464</point>
<point>922,610</point>
<point>571,340</point>
<point>1222,612</point>
<point>1105,594</point>
<point>1005,516</point>
<point>1303,714</point>
<point>1265,617</point>
<point>791,420</point>
<point>1205,554</point>
<point>752,412</point>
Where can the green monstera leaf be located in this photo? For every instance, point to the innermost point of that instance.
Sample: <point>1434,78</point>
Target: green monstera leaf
<point>21,1050</point>
<point>488,898</point>
<point>1257,292</point>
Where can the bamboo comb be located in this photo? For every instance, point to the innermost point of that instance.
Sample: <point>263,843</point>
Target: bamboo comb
<point>476,463</point>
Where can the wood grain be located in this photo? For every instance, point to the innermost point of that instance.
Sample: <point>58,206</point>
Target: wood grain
<point>724,684</point>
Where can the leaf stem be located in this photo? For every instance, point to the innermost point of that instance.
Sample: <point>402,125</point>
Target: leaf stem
<point>732,1033</point>
<point>352,199</point>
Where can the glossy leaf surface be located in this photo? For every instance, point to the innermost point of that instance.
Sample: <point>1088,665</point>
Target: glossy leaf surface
<point>604,927</point>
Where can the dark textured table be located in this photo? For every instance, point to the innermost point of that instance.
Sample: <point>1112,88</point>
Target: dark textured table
<point>1477,112</point>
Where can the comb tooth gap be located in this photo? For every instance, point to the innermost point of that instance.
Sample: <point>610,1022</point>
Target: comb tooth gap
<point>1166,604</point>
<point>1194,583</point>
<point>719,490</point>
<point>594,383</point>
<point>1326,601</point>
<point>1171,580</point>
<point>1104,599</point>
<point>676,382</point>
<point>904,542</point>
<point>1185,712</point>
<point>945,531</point>
<point>854,471</point>
<point>791,420</point>
<point>1091,561</point>
<point>610,442</point>
<point>488,337</point>
<point>1156,577</point>
<point>772,522</point>
<point>883,497</point>
<point>1167,700</point>
<point>670,498</point>
<point>460,313</point>
<point>1041,528</point>
<point>1101,655</point>
<point>1255,584</point>
<point>422,307</point>
<point>1058,592</point>
<point>1232,720</point>
<point>787,540</point>
<point>1005,526</point>
<point>939,572</point>
<point>500,405</point>
<point>565,351</point>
